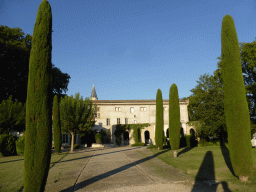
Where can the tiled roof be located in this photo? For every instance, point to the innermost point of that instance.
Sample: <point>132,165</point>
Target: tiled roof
<point>134,101</point>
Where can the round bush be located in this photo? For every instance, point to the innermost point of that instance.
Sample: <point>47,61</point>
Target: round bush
<point>20,145</point>
<point>77,146</point>
<point>138,144</point>
<point>7,145</point>
<point>98,138</point>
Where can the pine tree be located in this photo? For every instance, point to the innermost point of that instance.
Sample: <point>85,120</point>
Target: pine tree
<point>39,103</point>
<point>56,125</point>
<point>236,107</point>
<point>174,119</point>
<point>159,120</point>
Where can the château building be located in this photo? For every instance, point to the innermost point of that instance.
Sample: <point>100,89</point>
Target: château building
<point>109,113</point>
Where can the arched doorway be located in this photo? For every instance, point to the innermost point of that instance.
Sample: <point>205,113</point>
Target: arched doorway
<point>167,136</point>
<point>126,138</point>
<point>147,137</point>
<point>192,132</point>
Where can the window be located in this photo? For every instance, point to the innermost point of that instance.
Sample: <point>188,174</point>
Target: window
<point>126,120</point>
<point>64,138</point>
<point>134,115</point>
<point>135,121</point>
<point>118,120</point>
<point>98,115</point>
<point>98,109</point>
<point>165,108</point>
<point>108,121</point>
<point>143,109</point>
<point>100,124</point>
<point>132,110</point>
<point>117,109</point>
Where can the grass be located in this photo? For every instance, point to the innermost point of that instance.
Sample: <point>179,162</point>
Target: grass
<point>11,171</point>
<point>208,163</point>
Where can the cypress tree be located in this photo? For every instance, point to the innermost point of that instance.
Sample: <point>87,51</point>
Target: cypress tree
<point>38,140</point>
<point>236,107</point>
<point>136,134</point>
<point>174,119</point>
<point>56,125</point>
<point>159,120</point>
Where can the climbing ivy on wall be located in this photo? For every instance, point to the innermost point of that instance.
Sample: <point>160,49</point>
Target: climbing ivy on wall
<point>120,129</point>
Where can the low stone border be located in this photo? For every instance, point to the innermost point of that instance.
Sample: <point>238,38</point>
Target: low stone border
<point>100,145</point>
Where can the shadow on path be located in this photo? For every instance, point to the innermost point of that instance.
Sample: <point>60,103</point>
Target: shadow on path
<point>206,174</point>
<point>109,173</point>
<point>89,156</point>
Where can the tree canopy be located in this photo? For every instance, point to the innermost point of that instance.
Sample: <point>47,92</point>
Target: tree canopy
<point>12,116</point>
<point>15,50</point>
<point>76,115</point>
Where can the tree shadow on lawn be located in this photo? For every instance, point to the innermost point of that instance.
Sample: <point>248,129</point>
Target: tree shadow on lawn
<point>94,179</point>
<point>225,153</point>
<point>184,150</point>
<point>206,176</point>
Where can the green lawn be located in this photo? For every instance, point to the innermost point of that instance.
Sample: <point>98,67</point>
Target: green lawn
<point>208,163</point>
<point>11,171</point>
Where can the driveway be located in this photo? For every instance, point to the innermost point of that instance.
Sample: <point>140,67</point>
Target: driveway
<point>118,169</point>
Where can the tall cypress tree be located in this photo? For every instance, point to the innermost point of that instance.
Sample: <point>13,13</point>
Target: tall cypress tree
<point>38,140</point>
<point>174,119</point>
<point>236,107</point>
<point>159,120</point>
<point>56,125</point>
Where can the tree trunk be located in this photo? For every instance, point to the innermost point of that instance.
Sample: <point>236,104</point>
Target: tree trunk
<point>175,153</point>
<point>72,142</point>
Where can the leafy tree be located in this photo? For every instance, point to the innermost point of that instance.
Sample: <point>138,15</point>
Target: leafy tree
<point>236,107</point>
<point>159,120</point>
<point>56,125</point>
<point>206,107</point>
<point>76,115</point>
<point>38,140</point>
<point>12,116</point>
<point>15,50</point>
<point>174,119</point>
<point>248,60</point>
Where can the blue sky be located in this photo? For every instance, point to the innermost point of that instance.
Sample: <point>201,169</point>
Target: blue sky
<point>131,48</point>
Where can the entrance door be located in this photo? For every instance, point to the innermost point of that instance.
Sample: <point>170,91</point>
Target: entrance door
<point>126,138</point>
<point>147,137</point>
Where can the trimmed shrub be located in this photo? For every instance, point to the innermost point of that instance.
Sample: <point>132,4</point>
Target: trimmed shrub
<point>77,146</point>
<point>136,134</point>
<point>98,138</point>
<point>183,142</point>
<point>188,140</point>
<point>20,145</point>
<point>151,147</point>
<point>138,144</point>
<point>164,140</point>
<point>174,117</point>
<point>7,145</point>
<point>56,125</point>
<point>235,102</point>
<point>159,120</point>
<point>38,142</point>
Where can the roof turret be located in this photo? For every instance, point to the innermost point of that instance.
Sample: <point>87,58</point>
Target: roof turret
<point>94,95</point>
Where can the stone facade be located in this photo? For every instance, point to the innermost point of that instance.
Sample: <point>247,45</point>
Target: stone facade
<point>112,112</point>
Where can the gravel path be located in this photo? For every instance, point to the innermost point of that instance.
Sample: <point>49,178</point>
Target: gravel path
<point>119,169</point>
